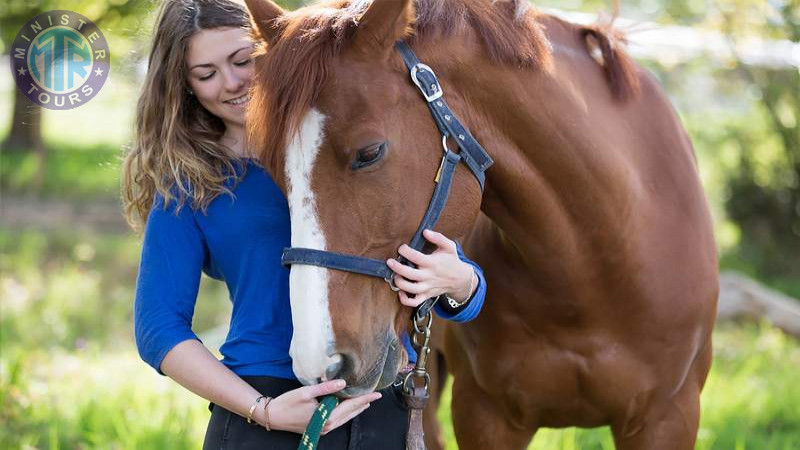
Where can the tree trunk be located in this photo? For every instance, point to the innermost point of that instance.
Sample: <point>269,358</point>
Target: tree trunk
<point>26,126</point>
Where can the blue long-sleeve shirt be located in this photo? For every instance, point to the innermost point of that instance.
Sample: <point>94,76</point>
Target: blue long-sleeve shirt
<point>240,242</point>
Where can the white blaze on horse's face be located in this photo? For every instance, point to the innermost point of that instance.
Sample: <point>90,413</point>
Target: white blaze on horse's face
<point>313,330</point>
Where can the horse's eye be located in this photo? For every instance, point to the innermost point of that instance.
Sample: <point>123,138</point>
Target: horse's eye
<point>369,155</point>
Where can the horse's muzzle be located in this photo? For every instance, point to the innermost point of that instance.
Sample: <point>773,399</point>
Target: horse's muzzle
<point>374,375</point>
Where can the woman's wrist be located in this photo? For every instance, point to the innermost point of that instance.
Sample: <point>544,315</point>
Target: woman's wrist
<point>467,287</point>
<point>264,414</point>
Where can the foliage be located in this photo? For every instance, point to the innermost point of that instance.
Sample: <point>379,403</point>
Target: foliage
<point>66,290</point>
<point>767,208</point>
<point>124,23</point>
<point>68,172</point>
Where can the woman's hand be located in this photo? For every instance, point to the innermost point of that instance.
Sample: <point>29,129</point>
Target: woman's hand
<point>441,272</point>
<point>293,410</point>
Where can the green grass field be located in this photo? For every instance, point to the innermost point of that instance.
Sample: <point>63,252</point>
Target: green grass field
<point>70,376</point>
<point>107,398</point>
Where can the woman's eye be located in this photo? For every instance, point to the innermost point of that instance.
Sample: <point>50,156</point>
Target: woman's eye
<point>244,62</point>
<point>369,155</point>
<point>206,77</point>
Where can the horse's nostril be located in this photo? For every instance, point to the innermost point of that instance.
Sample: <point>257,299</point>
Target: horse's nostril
<point>333,370</point>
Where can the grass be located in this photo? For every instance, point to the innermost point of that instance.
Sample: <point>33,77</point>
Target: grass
<point>94,399</point>
<point>65,290</point>
<point>97,398</point>
<point>84,145</point>
<point>70,376</point>
<point>72,172</point>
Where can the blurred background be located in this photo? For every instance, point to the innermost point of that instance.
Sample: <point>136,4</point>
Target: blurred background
<point>70,376</point>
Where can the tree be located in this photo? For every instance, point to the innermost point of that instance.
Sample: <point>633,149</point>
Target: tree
<point>26,127</point>
<point>768,213</point>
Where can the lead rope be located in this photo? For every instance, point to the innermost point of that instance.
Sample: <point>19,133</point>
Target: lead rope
<point>417,396</point>
<point>314,428</point>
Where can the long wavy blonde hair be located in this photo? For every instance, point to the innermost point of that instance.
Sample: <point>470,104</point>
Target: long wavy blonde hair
<point>177,151</point>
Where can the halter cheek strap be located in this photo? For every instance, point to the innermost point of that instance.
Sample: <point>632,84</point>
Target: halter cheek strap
<point>474,156</point>
<point>471,153</point>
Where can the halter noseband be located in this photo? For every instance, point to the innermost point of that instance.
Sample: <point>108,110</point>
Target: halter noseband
<point>471,153</point>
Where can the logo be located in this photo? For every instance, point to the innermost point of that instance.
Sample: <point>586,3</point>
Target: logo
<point>60,59</point>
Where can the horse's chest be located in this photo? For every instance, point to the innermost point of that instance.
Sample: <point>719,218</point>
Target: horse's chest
<point>545,382</point>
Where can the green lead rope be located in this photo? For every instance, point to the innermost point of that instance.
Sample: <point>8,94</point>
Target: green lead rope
<point>314,429</point>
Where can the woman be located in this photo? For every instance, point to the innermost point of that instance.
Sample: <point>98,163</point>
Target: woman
<point>207,206</point>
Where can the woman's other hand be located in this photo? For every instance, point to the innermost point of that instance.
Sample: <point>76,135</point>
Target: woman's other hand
<point>441,272</point>
<point>293,410</point>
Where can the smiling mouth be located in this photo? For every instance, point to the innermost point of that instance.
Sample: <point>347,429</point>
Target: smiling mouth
<point>239,101</point>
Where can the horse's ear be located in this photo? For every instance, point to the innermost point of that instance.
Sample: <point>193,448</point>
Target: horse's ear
<point>383,23</point>
<point>264,14</point>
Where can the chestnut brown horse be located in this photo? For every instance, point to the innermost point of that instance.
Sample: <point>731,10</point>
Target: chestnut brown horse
<point>593,229</point>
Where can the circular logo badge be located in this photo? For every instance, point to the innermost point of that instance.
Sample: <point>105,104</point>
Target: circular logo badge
<point>60,59</point>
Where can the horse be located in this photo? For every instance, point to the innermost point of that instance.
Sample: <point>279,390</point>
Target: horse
<point>592,228</point>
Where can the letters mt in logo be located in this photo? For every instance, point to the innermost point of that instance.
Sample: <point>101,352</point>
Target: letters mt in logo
<point>60,59</point>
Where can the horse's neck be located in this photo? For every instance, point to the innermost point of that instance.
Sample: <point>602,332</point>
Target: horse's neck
<point>553,184</point>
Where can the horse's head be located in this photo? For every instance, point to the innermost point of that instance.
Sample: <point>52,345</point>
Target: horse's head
<point>350,141</point>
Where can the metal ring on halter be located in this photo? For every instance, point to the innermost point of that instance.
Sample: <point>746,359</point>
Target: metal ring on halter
<point>408,384</point>
<point>390,282</point>
<point>444,144</point>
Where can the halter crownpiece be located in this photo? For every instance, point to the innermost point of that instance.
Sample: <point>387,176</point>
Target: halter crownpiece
<point>471,153</point>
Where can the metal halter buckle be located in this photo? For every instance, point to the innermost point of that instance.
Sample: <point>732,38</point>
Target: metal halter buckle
<point>434,87</point>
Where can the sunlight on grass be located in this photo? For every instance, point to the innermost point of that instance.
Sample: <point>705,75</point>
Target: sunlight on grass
<point>101,398</point>
<point>95,400</point>
<point>70,376</point>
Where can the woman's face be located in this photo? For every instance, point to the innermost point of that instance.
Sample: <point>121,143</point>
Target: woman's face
<point>220,69</point>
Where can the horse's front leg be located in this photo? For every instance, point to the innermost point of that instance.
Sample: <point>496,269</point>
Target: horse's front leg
<point>668,422</point>
<point>479,421</point>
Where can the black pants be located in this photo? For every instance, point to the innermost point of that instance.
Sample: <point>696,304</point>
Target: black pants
<point>381,426</point>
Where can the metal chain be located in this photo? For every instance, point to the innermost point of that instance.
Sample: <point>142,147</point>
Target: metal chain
<point>421,342</point>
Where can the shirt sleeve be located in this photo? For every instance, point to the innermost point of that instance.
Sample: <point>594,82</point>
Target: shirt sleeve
<point>173,252</point>
<point>473,307</point>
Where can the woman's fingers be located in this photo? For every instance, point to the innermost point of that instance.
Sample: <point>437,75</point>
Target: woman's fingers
<point>349,409</point>
<point>418,258</point>
<point>404,270</point>
<point>408,301</point>
<point>440,240</point>
<point>408,286</point>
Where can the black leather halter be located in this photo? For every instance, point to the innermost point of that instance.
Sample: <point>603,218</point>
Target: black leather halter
<point>471,153</point>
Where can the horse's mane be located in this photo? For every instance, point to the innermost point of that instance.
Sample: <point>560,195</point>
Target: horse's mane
<point>290,78</point>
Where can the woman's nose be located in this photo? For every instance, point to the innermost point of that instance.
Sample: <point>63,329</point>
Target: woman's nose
<point>233,82</point>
